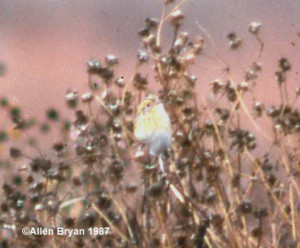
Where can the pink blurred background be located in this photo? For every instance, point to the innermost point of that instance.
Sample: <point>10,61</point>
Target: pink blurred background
<point>46,44</point>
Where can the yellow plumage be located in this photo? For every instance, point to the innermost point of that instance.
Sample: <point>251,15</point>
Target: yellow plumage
<point>153,126</point>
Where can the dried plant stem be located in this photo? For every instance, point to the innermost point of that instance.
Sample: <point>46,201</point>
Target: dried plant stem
<point>261,44</point>
<point>293,213</point>
<point>120,209</point>
<point>220,141</point>
<point>264,180</point>
<point>178,6</point>
<point>103,105</point>
<point>288,170</point>
<point>163,224</point>
<point>244,107</point>
<point>110,223</point>
<point>214,48</point>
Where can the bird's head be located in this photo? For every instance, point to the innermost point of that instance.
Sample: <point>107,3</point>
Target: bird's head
<point>147,104</point>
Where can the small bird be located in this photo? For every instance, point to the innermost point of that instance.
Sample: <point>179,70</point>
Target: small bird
<point>153,126</point>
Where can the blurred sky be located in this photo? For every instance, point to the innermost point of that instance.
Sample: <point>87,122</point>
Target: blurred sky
<point>45,44</point>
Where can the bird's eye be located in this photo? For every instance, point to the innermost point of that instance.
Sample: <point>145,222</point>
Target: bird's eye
<point>146,108</point>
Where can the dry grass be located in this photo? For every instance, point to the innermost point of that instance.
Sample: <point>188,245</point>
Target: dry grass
<point>217,191</point>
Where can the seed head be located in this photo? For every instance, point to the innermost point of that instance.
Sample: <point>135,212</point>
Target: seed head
<point>254,27</point>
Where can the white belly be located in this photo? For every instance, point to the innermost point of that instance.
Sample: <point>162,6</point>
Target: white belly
<point>159,142</point>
